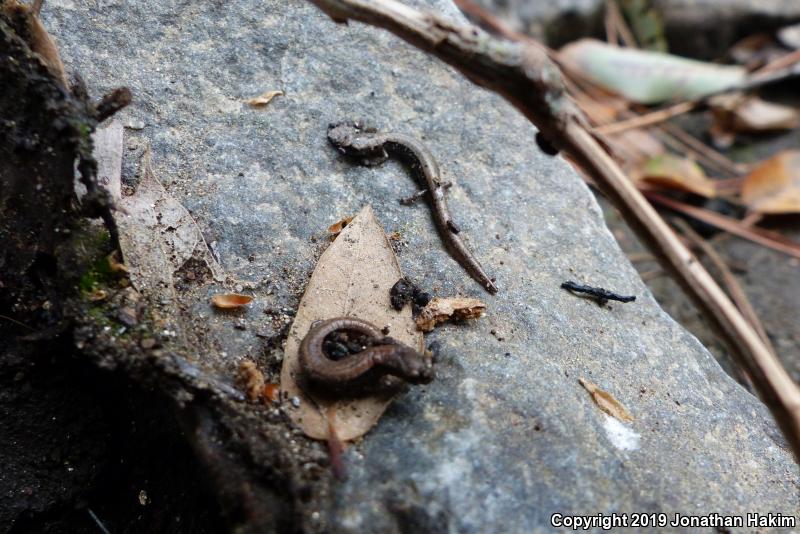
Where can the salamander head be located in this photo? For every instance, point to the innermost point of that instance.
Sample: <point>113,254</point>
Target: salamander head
<point>415,368</point>
<point>341,134</point>
<point>348,138</point>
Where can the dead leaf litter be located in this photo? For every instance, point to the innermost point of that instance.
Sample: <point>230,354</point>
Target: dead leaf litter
<point>606,402</point>
<point>440,310</point>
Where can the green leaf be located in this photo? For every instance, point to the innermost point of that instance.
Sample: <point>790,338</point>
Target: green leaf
<point>648,77</point>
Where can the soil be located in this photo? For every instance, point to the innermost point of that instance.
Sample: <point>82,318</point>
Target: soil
<point>100,429</point>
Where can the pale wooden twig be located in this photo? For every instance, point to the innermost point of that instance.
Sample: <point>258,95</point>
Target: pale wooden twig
<point>612,35</point>
<point>523,75</point>
<point>779,64</point>
<point>488,20</point>
<point>615,20</point>
<point>709,153</point>
<point>648,119</point>
<point>761,236</point>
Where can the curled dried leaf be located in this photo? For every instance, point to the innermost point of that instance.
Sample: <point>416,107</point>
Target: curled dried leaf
<point>336,228</point>
<point>272,392</point>
<point>263,99</point>
<point>774,186</point>
<point>606,402</point>
<point>115,265</point>
<point>97,295</point>
<point>440,310</point>
<point>230,300</point>
<point>675,172</point>
<point>251,379</point>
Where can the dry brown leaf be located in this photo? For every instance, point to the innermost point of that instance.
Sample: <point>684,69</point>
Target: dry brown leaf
<point>353,278</point>
<point>756,115</point>
<point>675,172</point>
<point>636,146</point>
<point>755,51</point>
<point>263,99</point>
<point>229,301</point>
<point>774,186</point>
<point>158,236</point>
<point>115,265</point>
<point>336,228</point>
<point>746,113</point>
<point>743,50</point>
<point>252,379</point>
<point>606,402</point>
<point>440,310</point>
<point>37,37</point>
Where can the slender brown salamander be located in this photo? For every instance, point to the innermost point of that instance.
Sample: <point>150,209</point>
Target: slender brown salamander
<point>372,148</point>
<point>383,356</point>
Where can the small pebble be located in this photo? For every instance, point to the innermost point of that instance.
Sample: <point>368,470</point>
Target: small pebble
<point>148,343</point>
<point>135,124</point>
<point>127,316</point>
<point>422,298</point>
<point>296,402</point>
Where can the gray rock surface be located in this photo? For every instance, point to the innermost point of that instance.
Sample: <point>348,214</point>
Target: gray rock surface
<point>505,436</point>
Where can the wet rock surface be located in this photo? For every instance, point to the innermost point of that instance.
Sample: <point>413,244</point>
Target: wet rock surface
<point>505,436</point>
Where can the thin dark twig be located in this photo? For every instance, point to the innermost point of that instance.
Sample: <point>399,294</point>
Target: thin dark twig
<point>7,318</point>
<point>112,102</point>
<point>598,293</point>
